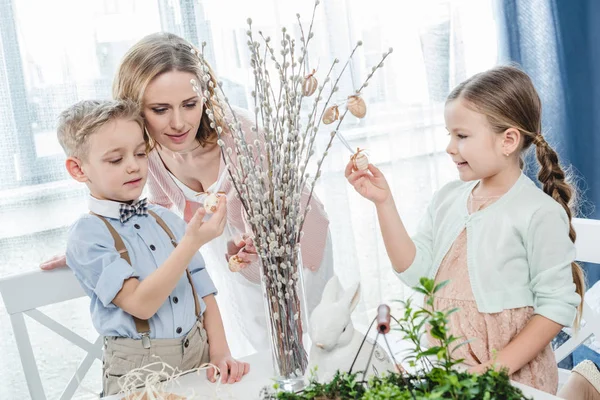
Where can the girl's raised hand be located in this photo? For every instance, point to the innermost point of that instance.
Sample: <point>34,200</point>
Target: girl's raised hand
<point>371,184</point>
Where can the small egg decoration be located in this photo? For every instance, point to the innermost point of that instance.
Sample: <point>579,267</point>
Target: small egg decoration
<point>236,264</point>
<point>360,161</point>
<point>309,86</point>
<point>211,202</point>
<point>356,105</point>
<point>331,115</point>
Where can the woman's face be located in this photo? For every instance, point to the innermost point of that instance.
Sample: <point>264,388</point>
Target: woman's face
<point>172,110</point>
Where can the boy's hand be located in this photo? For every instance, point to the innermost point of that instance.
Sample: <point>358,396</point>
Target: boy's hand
<point>371,184</point>
<point>203,232</point>
<point>232,370</point>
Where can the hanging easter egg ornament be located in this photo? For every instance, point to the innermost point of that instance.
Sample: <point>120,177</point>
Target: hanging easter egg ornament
<point>360,160</point>
<point>356,105</point>
<point>331,114</point>
<point>310,84</point>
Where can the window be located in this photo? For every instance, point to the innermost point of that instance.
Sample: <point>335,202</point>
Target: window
<point>53,54</point>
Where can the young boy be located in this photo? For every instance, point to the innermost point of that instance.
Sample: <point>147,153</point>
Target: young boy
<point>151,296</point>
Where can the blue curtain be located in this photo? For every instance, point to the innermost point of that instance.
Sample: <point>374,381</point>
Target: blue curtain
<point>554,42</point>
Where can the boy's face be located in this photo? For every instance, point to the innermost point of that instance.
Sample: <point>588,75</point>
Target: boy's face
<point>116,167</point>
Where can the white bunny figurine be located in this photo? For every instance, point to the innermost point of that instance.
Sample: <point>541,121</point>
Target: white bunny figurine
<point>335,342</point>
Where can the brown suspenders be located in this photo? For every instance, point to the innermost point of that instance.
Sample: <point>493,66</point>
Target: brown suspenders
<point>142,325</point>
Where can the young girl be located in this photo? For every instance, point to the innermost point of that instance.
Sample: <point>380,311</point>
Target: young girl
<point>505,245</point>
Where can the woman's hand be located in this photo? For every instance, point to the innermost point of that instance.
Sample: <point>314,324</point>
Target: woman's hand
<point>242,247</point>
<point>54,262</point>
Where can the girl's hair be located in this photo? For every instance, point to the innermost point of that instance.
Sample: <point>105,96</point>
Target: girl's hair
<point>507,97</point>
<point>157,54</point>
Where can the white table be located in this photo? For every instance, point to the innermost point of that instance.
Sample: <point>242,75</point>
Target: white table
<point>258,377</point>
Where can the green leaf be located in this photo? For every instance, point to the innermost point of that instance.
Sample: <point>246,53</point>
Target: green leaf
<point>430,351</point>
<point>458,346</point>
<point>421,290</point>
<point>427,284</point>
<point>451,311</point>
<point>440,285</point>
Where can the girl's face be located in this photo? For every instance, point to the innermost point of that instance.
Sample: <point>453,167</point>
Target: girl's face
<point>475,148</point>
<point>172,110</point>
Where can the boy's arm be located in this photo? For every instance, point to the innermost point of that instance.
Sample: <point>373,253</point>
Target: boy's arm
<point>231,370</point>
<point>143,298</point>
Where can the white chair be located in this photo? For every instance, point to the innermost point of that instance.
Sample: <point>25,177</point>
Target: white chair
<point>588,250</point>
<point>23,294</point>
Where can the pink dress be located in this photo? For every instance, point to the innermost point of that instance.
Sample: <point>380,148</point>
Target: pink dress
<point>490,332</point>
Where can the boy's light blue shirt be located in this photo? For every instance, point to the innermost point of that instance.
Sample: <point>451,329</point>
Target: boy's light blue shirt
<point>92,256</point>
<point>518,249</point>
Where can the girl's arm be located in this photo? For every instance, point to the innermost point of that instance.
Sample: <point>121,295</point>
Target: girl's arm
<point>530,342</point>
<point>399,246</point>
<point>372,185</point>
<point>550,253</point>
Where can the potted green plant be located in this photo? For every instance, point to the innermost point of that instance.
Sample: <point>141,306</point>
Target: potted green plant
<point>435,374</point>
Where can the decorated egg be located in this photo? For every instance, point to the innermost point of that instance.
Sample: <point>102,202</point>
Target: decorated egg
<point>356,105</point>
<point>211,202</point>
<point>331,115</point>
<point>236,264</point>
<point>309,85</point>
<point>360,161</point>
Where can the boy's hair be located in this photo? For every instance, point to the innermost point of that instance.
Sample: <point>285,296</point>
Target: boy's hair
<point>82,119</point>
<point>507,97</point>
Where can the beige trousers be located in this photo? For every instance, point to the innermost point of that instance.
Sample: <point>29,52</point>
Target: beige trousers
<point>121,355</point>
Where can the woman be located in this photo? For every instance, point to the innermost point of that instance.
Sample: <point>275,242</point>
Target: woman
<point>185,161</point>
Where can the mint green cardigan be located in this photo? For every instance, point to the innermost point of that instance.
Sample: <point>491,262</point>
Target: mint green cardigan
<point>518,249</point>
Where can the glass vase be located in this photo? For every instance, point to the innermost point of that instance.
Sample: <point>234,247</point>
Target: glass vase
<point>287,319</point>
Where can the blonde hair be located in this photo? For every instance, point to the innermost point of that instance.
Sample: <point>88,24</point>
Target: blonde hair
<point>159,53</point>
<point>78,122</point>
<point>507,97</point>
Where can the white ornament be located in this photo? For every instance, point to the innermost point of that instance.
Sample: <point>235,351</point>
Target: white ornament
<point>211,202</point>
<point>331,114</point>
<point>310,84</point>
<point>360,161</point>
<point>236,264</point>
<point>356,105</point>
